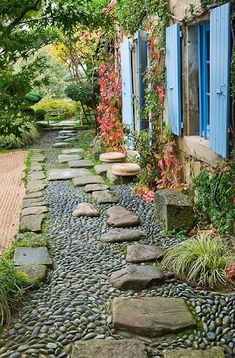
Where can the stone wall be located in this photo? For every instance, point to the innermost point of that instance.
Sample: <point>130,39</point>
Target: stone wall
<point>179,8</point>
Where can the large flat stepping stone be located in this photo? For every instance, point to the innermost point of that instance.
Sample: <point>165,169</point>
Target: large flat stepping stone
<point>38,157</point>
<point>66,173</point>
<point>214,352</point>
<point>121,235</point>
<point>142,253</point>
<point>89,188</point>
<point>121,217</point>
<point>38,194</point>
<point>32,223</point>
<point>126,169</point>
<point>35,167</point>
<point>27,203</point>
<point>35,185</point>
<point>86,209</point>
<point>61,145</point>
<point>67,131</point>
<point>32,256</point>
<point>35,274</point>
<point>73,151</point>
<point>135,277</point>
<point>151,316</point>
<point>125,348</point>
<point>104,197</point>
<point>83,163</point>
<point>71,139</point>
<point>64,158</point>
<point>37,175</point>
<point>34,210</point>
<point>103,168</point>
<point>116,157</point>
<point>91,179</point>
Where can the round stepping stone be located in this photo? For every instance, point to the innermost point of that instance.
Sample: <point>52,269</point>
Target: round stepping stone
<point>85,209</point>
<point>89,188</point>
<point>125,348</point>
<point>151,316</point>
<point>121,217</point>
<point>126,169</point>
<point>116,157</point>
<point>120,235</point>
<point>135,277</point>
<point>142,253</point>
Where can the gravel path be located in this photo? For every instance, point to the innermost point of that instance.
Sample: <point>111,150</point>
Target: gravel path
<point>74,303</point>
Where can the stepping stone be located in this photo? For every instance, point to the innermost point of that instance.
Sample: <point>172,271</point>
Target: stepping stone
<point>116,157</point>
<point>66,173</point>
<point>103,168</point>
<point>83,163</point>
<point>151,316</point>
<point>91,179</point>
<point>126,169</point>
<point>31,223</point>
<point>104,197</point>
<point>142,253</point>
<point>62,137</point>
<point>38,194</point>
<point>35,186</point>
<point>64,158</point>
<point>38,157</point>
<point>120,235</point>
<point>214,352</point>
<point>73,151</point>
<point>35,274</point>
<point>121,217</point>
<point>37,175</point>
<point>67,131</point>
<point>61,145</point>
<point>34,210</point>
<point>32,256</point>
<point>85,209</point>
<point>125,348</point>
<point>35,167</point>
<point>33,202</point>
<point>114,179</point>
<point>71,139</point>
<point>95,187</point>
<point>135,277</point>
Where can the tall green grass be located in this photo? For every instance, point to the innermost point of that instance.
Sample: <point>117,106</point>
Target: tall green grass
<point>200,261</point>
<point>11,289</point>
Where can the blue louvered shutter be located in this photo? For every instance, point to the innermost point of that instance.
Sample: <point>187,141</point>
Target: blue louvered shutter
<point>127,85</point>
<point>142,66</point>
<point>220,45</point>
<point>173,67</point>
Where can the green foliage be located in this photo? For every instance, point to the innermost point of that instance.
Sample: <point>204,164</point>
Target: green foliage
<point>11,289</point>
<point>64,107</point>
<point>200,261</point>
<point>33,97</point>
<point>82,92</point>
<point>28,162</point>
<point>214,193</point>
<point>17,130</point>
<point>40,114</point>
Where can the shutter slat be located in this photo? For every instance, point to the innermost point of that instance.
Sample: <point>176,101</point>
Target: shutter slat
<point>220,47</point>
<point>142,66</point>
<point>127,85</point>
<point>173,66</point>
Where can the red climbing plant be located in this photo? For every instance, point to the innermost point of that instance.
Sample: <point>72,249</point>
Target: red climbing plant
<point>109,109</point>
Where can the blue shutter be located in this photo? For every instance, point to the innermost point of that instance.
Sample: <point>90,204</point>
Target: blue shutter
<point>220,44</point>
<point>142,66</point>
<point>173,67</point>
<point>127,85</point>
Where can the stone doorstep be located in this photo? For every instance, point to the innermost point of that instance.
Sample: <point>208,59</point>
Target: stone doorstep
<point>121,235</point>
<point>32,256</point>
<point>109,348</point>
<point>136,277</point>
<point>151,316</point>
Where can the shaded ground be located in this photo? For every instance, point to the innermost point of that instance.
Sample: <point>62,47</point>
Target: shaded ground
<point>12,190</point>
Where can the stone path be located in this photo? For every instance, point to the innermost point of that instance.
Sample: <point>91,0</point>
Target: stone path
<point>76,304</point>
<point>12,190</point>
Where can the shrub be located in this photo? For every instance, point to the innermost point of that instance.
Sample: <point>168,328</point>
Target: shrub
<point>51,106</point>
<point>83,92</point>
<point>11,288</point>
<point>33,97</point>
<point>202,260</point>
<point>17,130</point>
<point>40,114</point>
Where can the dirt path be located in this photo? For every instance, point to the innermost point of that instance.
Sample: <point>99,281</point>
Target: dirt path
<point>11,194</point>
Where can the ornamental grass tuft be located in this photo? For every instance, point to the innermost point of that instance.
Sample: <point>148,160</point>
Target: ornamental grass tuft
<point>11,289</point>
<point>201,261</point>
